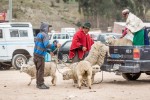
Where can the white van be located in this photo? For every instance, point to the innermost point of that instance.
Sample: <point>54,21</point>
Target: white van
<point>70,31</point>
<point>60,37</point>
<point>16,42</point>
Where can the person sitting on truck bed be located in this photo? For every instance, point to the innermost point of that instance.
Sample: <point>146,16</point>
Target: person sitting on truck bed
<point>134,25</point>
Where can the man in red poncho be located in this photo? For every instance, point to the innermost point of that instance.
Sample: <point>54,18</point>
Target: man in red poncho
<point>81,43</point>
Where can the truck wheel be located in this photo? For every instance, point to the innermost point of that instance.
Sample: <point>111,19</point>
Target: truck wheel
<point>131,76</point>
<point>18,60</point>
<point>147,73</point>
<point>65,58</point>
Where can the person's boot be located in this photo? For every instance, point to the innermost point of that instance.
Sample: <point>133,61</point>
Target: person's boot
<point>43,86</point>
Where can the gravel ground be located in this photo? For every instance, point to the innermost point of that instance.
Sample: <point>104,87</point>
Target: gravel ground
<point>13,86</point>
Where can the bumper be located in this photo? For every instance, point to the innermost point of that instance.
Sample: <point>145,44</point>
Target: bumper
<point>127,66</point>
<point>129,69</point>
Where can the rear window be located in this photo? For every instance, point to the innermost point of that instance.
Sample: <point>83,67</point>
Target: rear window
<point>102,37</point>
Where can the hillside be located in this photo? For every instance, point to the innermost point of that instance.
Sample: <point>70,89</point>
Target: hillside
<point>60,14</point>
<point>36,11</point>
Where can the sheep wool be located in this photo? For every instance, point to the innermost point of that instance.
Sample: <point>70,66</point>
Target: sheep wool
<point>49,70</point>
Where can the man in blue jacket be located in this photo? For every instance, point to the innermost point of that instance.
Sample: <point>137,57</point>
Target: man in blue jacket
<point>41,46</point>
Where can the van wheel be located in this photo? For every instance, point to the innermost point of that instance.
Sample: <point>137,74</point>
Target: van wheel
<point>131,76</point>
<point>18,60</point>
<point>65,58</point>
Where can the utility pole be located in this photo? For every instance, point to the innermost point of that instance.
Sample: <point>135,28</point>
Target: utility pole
<point>10,10</point>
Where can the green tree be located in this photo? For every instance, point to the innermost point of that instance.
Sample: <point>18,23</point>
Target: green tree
<point>105,12</point>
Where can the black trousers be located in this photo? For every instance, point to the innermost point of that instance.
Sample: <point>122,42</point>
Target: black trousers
<point>77,59</point>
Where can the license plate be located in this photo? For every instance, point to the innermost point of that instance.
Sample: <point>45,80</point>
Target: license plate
<point>115,55</point>
<point>116,66</point>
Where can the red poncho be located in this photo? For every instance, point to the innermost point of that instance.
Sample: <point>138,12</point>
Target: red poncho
<point>80,39</point>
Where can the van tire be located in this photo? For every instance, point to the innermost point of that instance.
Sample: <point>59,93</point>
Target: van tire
<point>18,60</point>
<point>131,76</point>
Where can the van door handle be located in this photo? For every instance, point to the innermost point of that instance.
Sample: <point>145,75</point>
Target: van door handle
<point>3,47</point>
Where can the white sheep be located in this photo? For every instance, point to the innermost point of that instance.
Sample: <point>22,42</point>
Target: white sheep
<point>97,53</point>
<point>95,69</point>
<point>84,71</point>
<point>118,42</point>
<point>78,70</point>
<point>49,70</point>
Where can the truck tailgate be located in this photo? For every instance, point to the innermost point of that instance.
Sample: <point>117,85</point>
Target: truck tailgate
<point>145,53</point>
<point>121,52</point>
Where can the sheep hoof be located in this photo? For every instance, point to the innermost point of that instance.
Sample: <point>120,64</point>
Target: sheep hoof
<point>28,84</point>
<point>54,84</point>
<point>83,84</point>
<point>80,88</point>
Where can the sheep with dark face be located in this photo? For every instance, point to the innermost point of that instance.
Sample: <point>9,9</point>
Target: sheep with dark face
<point>49,70</point>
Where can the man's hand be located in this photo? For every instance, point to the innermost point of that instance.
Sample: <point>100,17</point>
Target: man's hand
<point>58,45</point>
<point>51,53</point>
<point>84,48</point>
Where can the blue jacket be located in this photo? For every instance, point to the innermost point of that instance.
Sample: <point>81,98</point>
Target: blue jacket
<point>53,47</point>
<point>42,41</point>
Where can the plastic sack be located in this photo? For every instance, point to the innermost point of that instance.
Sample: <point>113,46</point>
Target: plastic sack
<point>47,57</point>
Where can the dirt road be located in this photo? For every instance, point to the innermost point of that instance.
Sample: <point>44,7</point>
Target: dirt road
<point>13,86</point>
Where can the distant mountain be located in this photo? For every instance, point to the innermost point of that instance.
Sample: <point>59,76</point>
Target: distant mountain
<point>35,11</point>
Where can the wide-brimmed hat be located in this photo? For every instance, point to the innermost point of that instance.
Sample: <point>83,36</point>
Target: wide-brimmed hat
<point>87,25</point>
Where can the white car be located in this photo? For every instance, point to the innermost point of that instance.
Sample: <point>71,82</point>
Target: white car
<point>16,43</point>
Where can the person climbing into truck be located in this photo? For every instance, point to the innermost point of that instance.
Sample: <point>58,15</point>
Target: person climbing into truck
<point>136,26</point>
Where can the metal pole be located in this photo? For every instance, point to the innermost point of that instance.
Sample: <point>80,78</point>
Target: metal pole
<point>10,10</point>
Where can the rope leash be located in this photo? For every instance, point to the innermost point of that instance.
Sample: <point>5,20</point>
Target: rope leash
<point>56,60</point>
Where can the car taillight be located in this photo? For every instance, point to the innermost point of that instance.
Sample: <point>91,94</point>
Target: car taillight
<point>136,54</point>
